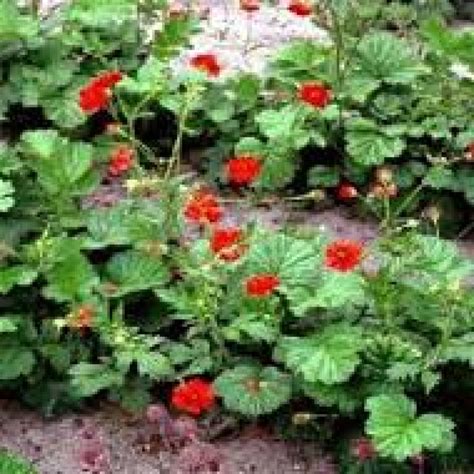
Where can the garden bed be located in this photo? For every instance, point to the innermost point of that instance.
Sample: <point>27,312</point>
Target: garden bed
<point>222,237</point>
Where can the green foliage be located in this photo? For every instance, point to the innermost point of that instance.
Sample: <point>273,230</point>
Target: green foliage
<point>108,289</point>
<point>329,357</point>
<point>253,390</point>
<point>399,433</point>
<point>13,464</point>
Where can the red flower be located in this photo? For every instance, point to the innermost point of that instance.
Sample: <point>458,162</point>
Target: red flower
<point>261,285</point>
<point>193,396</point>
<point>226,244</point>
<point>346,191</point>
<point>207,63</point>
<point>314,94</point>
<point>300,7</point>
<point>108,79</point>
<point>203,207</point>
<point>250,5</point>
<point>343,255</point>
<point>363,449</point>
<point>120,161</point>
<point>243,169</point>
<point>96,94</point>
<point>93,98</point>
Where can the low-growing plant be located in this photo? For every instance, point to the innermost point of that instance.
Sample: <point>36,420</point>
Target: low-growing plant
<point>118,273</point>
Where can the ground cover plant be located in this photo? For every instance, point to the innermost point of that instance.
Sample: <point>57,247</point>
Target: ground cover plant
<point>121,277</point>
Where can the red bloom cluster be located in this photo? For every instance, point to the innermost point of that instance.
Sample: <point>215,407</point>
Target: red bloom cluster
<point>96,94</point>
<point>193,396</point>
<point>261,285</point>
<point>208,63</point>
<point>363,449</point>
<point>250,5</point>
<point>203,207</point>
<point>300,7</point>
<point>346,192</point>
<point>343,255</point>
<point>227,244</point>
<point>314,94</point>
<point>243,169</point>
<point>120,161</point>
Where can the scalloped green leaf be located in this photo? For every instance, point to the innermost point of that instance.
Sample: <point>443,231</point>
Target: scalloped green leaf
<point>89,379</point>
<point>384,57</point>
<point>15,361</point>
<point>293,260</point>
<point>252,390</point>
<point>369,144</point>
<point>21,275</point>
<point>399,434</point>
<point>132,271</point>
<point>330,356</point>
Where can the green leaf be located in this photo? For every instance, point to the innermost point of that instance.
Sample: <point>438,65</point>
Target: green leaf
<point>284,125</point>
<point>278,171</point>
<point>72,278</point>
<point>15,361</point>
<point>329,357</point>
<point>107,227</point>
<point>132,271</point>
<point>174,35</point>
<point>14,25</point>
<point>13,464</point>
<point>6,195</point>
<point>323,176</point>
<point>440,177</point>
<point>459,349</point>
<point>331,290</point>
<point>249,145</point>
<point>89,379</point>
<point>105,14</point>
<point>369,144</point>
<point>41,143</point>
<point>252,390</point>
<point>293,260</point>
<point>384,57</point>
<point>155,365</point>
<point>8,323</point>
<point>21,275</point>
<point>62,167</point>
<point>64,111</point>
<point>399,434</point>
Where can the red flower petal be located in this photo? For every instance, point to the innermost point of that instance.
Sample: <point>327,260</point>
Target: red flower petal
<point>343,255</point>
<point>226,243</point>
<point>207,63</point>
<point>314,94</point>
<point>108,79</point>
<point>250,5</point>
<point>300,7</point>
<point>261,285</point>
<point>120,161</point>
<point>203,207</point>
<point>93,98</point>
<point>193,396</point>
<point>243,169</point>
